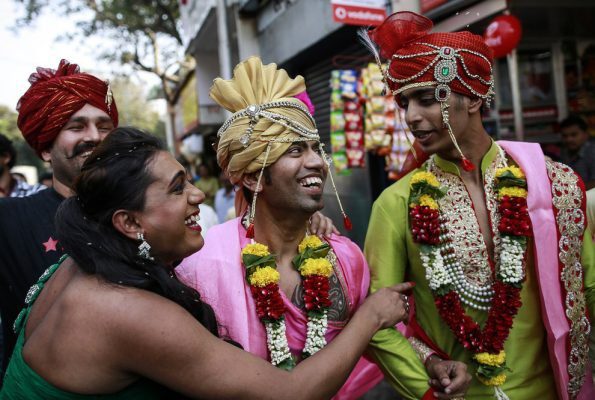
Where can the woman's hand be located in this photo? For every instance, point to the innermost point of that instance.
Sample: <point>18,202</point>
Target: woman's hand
<point>389,305</point>
<point>321,225</point>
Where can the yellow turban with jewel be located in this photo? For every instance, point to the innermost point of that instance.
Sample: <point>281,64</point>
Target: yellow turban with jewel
<point>269,108</point>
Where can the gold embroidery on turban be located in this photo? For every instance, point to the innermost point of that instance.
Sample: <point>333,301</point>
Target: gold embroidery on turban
<point>255,84</point>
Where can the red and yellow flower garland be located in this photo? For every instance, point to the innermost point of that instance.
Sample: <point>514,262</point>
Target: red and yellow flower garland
<point>487,344</point>
<point>263,278</point>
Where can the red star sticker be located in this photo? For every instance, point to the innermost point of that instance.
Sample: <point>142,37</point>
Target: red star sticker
<point>50,245</point>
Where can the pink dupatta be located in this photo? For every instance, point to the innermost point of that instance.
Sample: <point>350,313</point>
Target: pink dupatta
<point>539,201</point>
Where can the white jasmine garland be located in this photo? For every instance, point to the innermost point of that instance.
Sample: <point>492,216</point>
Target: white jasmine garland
<point>277,341</point>
<point>315,339</point>
<point>511,260</point>
<point>436,273</point>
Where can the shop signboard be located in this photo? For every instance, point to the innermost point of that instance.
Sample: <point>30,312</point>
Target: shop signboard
<point>362,12</point>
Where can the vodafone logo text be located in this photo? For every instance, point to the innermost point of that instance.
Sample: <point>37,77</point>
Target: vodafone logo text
<point>340,13</point>
<point>354,15</point>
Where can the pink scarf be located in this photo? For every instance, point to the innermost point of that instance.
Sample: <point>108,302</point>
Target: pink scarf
<point>531,160</point>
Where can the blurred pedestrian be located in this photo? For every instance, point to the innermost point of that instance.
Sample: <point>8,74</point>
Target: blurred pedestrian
<point>578,149</point>
<point>207,183</point>
<point>225,198</point>
<point>207,217</point>
<point>9,185</point>
<point>19,176</point>
<point>46,179</point>
<point>63,116</point>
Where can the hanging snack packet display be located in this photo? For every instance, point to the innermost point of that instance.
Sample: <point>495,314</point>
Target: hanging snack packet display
<point>338,141</point>
<point>377,136</point>
<point>340,163</point>
<point>363,118</point>
<point>401,143</point>
<point>354,134</point>
<point>385,131</point>
<point>343,92</point>
<point>348,84</point>
<point>336,98</point>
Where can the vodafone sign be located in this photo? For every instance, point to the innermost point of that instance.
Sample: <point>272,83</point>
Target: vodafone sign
<point>370,12</point>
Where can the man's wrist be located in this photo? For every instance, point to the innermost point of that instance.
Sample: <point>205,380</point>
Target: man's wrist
<point>431,360</point>
<point>423,351</point>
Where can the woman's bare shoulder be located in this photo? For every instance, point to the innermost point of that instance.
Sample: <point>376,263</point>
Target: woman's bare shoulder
<point>123,306</point>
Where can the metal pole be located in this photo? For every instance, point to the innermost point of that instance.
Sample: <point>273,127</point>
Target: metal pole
<point>224,56</point>
<point>559,84</point>
<point>513,72</point>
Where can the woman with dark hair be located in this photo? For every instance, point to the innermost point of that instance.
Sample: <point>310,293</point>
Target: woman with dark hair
<point>113,321</point>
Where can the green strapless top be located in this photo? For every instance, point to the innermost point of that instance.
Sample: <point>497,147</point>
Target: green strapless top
<point>22,383</point>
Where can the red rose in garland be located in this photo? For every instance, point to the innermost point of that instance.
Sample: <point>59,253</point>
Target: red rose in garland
<point>316,290</point>
<point>269,304</point>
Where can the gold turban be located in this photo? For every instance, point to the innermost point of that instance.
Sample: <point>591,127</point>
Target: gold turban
<point>255,84</point>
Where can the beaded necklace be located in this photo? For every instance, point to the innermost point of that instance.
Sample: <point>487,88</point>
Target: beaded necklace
<point>263,278</point>
<point>445,275</point>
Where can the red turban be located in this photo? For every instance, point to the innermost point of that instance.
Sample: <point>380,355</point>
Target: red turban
<point>54,96</point>
<point>415,56</point>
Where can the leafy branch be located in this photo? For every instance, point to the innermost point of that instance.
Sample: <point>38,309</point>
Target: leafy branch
<point>147,34</point>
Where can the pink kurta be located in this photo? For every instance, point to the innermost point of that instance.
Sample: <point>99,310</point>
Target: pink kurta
<point>217,273</point>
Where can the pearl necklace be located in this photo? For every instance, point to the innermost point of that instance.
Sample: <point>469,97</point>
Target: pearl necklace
<point>445,276</point>
<point>473,295</point>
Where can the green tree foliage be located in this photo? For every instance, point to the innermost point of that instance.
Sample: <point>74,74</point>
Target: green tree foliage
<point>8,123</point>
<point>8,127</point>
<point>134,109</point>
<point>147,33</point>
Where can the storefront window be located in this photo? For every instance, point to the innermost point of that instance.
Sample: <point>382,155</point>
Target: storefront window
<point>579,58</point>
<point>538,97</point>
<point>535,80</point>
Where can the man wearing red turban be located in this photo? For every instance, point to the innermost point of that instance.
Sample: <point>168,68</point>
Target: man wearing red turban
<point>63,116</point>
<point>491,232</point>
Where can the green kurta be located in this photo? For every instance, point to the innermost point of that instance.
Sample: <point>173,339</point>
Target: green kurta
<point>394,258</point>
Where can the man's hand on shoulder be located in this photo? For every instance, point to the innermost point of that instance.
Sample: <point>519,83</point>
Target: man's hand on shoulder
<point>449,379</point>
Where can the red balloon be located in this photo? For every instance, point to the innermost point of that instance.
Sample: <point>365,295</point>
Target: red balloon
<point>503,34</point>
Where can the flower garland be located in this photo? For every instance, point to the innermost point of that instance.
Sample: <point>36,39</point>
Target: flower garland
<point>263,278</point>
<point>437,256</point>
